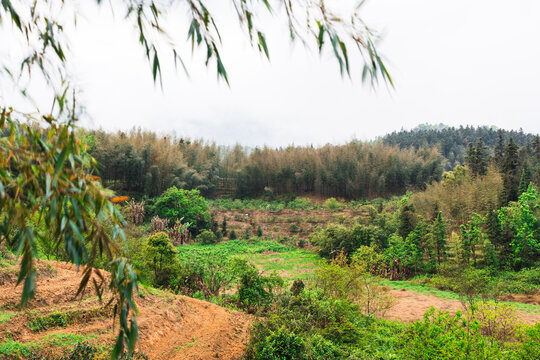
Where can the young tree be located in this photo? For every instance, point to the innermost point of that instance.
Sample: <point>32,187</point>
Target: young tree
<point>471,236</point>
<point>438,238</point>
<point>510,171</point>
<point>522,218</point>
<point>498,153</point>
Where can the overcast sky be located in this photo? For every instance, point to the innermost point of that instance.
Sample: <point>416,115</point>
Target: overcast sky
<point>456,62</point>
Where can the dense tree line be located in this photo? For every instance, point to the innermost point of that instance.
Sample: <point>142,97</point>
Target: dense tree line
<point>145,164</point>
<point>453,142</point>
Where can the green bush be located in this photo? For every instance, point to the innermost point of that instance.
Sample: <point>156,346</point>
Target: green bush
<point>189,205</point>
<point>444,336</point>
<point>160,258</point>
<point>206,237</point>
<point>232,235</point>
<point>255,292</point>
<point>332,204</point>
<point>301,204</point>
<point>309,325</point>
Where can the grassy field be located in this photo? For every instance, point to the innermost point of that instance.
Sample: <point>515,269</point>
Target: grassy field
<point>290,262</point>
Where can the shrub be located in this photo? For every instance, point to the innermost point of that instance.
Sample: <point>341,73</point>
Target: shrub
<point>498,321</point>
<point>332,204</point>
<point>300,204</point>
<point>207,237</point>
<point>255,291</point>
<point>443,336</point>
<point>297,287</point>
<point>259,231</point>
<point>161,258</point>
<point>530,343</point>
<point>232,235</point>
<point>307,326</point>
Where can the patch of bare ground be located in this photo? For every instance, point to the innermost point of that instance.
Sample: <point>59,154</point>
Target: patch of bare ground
<point>411,306</point>
<point>170,326</point>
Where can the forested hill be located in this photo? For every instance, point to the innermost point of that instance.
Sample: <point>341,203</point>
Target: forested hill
<point>453,142</point>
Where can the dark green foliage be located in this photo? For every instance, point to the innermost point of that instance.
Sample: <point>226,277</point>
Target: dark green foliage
<point>161,257</point>
<point>511,173</point>
<point>206,237</point>
<point>453,142</point>
<point>471,236</point>
<point>477,158</point>
<point>407,220</point>
<point>232,235</point>
<point>186,205</point>
<point>311,325</point>
<point>259,231</point>
<point>255,292</point>
<point>438,238</point>
<point>297,287</point>
<point>224,226</point>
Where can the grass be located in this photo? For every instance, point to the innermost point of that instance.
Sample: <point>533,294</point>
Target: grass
<point>422,289</point>
<point>292,264</point>
<point>62,319</point>
<point>65,339</point>
<point>186,345</point>
<point>9,347</point>
<point>5,316</point>
<point>267,255</point>
<point>12,348</point>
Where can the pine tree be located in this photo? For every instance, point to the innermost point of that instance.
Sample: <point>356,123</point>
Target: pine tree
<point>499,150</point>
<point>471,160</point>
<point>407,220</point>
<point>525,180</point>
<point>438,238</point>
<point>510,172</point>
<point>536,147</point>
<point>481,157</point>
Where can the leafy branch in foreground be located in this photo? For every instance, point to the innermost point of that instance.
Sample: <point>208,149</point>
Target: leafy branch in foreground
<point>41,27</point>
<point>45,174</point>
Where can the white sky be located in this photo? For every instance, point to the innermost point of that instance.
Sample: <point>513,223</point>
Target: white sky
<point>457,62</point>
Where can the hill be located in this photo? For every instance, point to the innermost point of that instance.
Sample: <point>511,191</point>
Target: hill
<point>170,326</point>
<point>452,141</point>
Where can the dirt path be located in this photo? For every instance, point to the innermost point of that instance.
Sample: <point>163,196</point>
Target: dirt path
<point>411,306</point>
<point>170,326</point>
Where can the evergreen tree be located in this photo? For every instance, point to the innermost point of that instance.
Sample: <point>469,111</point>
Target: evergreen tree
<point>481,157</point>
<point>498,153</point>
<point>471,236</point>
<point>407,220</point>
<point>471,159</point>
<point>416,244</point>
<point>536,148</point>
<point>526,178</point>
<point>510,172</point>
<point>438,238</point>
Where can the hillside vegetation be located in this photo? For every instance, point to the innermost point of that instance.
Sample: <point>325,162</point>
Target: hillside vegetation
<point>448,267</point>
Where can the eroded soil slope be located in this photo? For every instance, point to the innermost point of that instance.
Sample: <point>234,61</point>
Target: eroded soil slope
<point>170,326</point>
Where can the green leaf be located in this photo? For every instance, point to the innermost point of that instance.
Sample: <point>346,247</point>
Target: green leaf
<point>262,42</point>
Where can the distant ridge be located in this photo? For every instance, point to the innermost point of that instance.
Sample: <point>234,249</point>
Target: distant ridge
<point>452,141</point>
